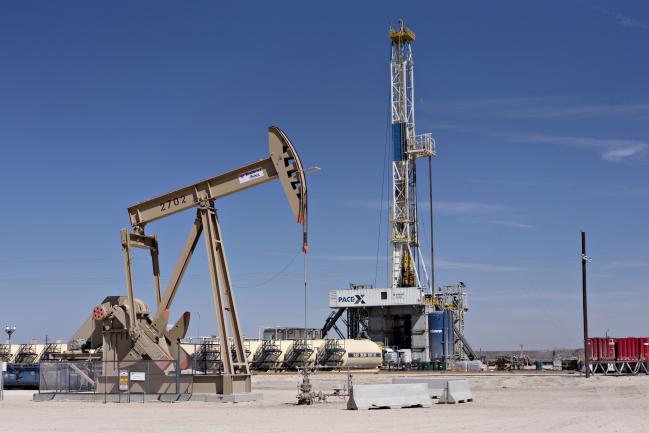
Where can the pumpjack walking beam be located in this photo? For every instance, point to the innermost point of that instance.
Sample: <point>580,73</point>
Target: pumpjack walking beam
<point>282,164</point>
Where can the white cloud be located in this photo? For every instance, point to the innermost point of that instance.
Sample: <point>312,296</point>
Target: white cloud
<point>535,108</point>
<point>488,213</point>
<point>466,207</point>
<point>622,20</point>
<point>443,207</point>
<point>439,263</point>
<point>615,149</point>
<point>509,223</point>
<point>525,183</point>
<point>624,152</point>
<point>625,21</point>
<point>478,267</point>
<point>610,149</point>
<point>632,263</point>
<point>346,258</point>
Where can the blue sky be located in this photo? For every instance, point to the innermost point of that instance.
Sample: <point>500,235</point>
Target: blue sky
<point>540,112</point>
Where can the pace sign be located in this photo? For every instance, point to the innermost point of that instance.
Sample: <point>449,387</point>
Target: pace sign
<point>379,297</point>
<point>354,299</point>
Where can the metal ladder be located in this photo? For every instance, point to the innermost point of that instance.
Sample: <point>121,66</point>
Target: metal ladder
<point>331,323</point>
<point>465,345</point>
<point>299,354</point>
<point>331,354</point>
<point>267,353</point>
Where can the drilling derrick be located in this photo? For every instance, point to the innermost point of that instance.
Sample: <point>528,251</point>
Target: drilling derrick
<point>397,316</point>
<point>407,260</point>
<point>407,317</point>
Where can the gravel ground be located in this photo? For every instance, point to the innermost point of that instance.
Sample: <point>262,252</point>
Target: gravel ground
<point>503,403</point>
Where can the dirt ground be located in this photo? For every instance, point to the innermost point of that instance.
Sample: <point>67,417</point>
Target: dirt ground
<point>503,403</point>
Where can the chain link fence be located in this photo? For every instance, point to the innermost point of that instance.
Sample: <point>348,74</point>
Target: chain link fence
<point>119,377</point>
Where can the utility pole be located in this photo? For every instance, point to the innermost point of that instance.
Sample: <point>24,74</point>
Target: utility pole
<point>584,260</point>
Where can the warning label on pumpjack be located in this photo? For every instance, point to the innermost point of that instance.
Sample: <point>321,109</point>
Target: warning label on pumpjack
<point>251,175</point>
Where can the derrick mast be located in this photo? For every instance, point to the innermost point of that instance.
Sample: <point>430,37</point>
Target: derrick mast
<point>407,314</point>
<point>407,262</point>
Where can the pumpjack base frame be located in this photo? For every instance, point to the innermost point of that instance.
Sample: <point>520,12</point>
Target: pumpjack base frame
<point>208,384</point>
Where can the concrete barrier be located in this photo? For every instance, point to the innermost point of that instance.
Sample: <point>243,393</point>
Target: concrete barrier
<point>457,391</point>
<point>436,385</point>
<point>388,396</point>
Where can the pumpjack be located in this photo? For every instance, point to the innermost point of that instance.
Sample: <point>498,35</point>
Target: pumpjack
<point>123,328</point>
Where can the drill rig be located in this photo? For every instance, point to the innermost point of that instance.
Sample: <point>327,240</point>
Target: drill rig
<point>123,328</point>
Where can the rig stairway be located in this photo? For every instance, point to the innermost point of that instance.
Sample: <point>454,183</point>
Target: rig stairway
<point>332,354</point>
<point>208,357</point>
<point>299,354</point>
<point>465,345</point>
<point>26,354</point>
<point>5,354</point>
<point>267,357</point>
<point>330,323</point>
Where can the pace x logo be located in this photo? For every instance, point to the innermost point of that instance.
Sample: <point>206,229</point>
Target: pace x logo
<point>359,299</point>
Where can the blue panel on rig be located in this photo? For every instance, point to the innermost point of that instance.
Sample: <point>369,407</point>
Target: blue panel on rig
<point>399,141</point>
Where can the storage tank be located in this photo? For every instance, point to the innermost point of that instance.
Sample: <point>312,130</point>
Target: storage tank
<point>364,354</point>
<point>189,348</point>
<point>284,346</point>
<point>317,346</point>
<point>440,335</point>
<point>22,376</point>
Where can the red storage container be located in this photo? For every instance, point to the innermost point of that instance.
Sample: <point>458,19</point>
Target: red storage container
<point>620,349</point>
<point>635,352</point>
<point>599,348</point>
<point>603,349</point>
<point>627,348</point>
<point>592,349</point>
<point>608,351</point>
<point>644,349</point>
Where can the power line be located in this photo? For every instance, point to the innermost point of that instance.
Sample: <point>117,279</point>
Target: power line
<point>274,276</point>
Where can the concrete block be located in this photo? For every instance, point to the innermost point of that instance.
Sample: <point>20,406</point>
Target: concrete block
<point>390,396</point>
<point>436,385</point>
<point>42,397</point>
<point>457,391</point>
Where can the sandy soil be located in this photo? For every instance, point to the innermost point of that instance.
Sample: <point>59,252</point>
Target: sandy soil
<point>503,403</point>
